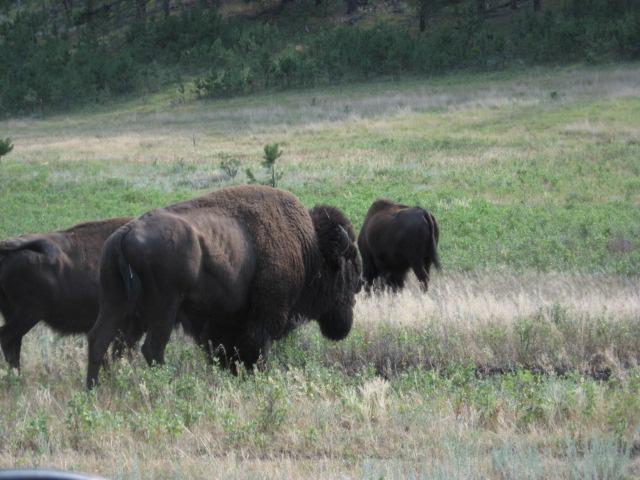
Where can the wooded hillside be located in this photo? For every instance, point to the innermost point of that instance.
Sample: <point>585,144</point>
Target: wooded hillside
<point>60,53</point>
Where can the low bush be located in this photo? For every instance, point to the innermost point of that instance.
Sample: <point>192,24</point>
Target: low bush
<point>5,147</point>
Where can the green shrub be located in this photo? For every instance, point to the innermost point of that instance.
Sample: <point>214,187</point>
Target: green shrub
<point>230,167</point>
<point>225,82</point>
<point>5,147</point>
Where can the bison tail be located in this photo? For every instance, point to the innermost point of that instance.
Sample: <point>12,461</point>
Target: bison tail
<point>434,254</point>
<point>433,240</point>
<point>132,283</point>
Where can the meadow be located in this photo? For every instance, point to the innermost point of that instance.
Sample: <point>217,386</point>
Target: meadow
<point>520,362</point>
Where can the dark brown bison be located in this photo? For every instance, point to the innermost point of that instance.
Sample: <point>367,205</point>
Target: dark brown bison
<point>395,238</point>
<point>51,277</point>
<point>247,261</point>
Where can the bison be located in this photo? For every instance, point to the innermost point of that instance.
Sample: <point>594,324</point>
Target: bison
<point>248,261</point>
<point>51,277</point>
<point>394,238</point>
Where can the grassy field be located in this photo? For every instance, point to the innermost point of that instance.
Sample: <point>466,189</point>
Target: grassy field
<point>520,362</point>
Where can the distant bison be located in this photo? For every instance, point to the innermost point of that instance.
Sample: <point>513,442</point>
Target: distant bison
<point>247,261</point>
<point>394,238</point>
<point>51,277</point>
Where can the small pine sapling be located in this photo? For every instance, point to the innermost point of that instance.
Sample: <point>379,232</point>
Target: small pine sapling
<point>251,178</point>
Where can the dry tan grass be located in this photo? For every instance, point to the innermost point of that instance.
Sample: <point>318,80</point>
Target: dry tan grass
<point>499,322</point>
<point>494,320</point>
<point>155,131</point>
<point>472,300</point>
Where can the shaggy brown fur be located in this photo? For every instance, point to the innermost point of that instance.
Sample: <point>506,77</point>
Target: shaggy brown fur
<point>394,238</point>
<point>247,261</point>
<point>51,277</point>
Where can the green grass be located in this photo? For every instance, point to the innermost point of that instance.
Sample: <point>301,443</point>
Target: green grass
<point>538,200</point>
<point>531,184</point>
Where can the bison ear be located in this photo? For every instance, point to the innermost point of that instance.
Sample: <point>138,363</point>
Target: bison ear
<point>333,231</point>
<point>334,244</point>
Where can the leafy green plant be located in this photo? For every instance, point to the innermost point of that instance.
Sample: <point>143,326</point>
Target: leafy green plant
<point>34,433</point>
<point>273,404</point>
<point>82,416</point>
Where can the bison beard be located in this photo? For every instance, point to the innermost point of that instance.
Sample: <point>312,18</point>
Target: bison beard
<point>244,264</point>
<point>51,277</point>
<point>395,238</point>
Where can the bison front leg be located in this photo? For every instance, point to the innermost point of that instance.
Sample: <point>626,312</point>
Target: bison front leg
<point>267,319</point>
<point>254,352</point>
<point>220,345</point>
<point>250,347</point>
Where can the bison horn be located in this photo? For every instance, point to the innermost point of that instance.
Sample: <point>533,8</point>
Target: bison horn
<point>345,240</point>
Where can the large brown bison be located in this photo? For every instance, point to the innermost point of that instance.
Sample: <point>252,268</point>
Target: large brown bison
<point>51,277</point>
<point>395,238</point>
<point>250,261</point>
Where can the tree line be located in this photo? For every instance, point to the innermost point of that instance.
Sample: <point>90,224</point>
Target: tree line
<point>57,54</point>
<point>86,12</point>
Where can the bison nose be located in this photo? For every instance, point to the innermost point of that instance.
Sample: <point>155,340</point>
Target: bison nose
<point>359,284</point>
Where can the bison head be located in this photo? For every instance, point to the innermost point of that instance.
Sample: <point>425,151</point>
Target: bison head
<point>340,274</point>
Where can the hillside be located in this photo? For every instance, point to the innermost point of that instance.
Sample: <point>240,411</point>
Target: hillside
<point>57,55</point>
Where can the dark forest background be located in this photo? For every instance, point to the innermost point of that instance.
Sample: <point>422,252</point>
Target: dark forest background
<point>56,54</point>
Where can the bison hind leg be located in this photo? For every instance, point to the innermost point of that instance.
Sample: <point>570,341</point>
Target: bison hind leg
<point>4,341</point>
<point>161,319</point>
<point>8,348</point>
<point>369,272</point>
<point>110,321</point>
<point>422,274</point>
<point>127,341</point>
<point>395,281</point>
